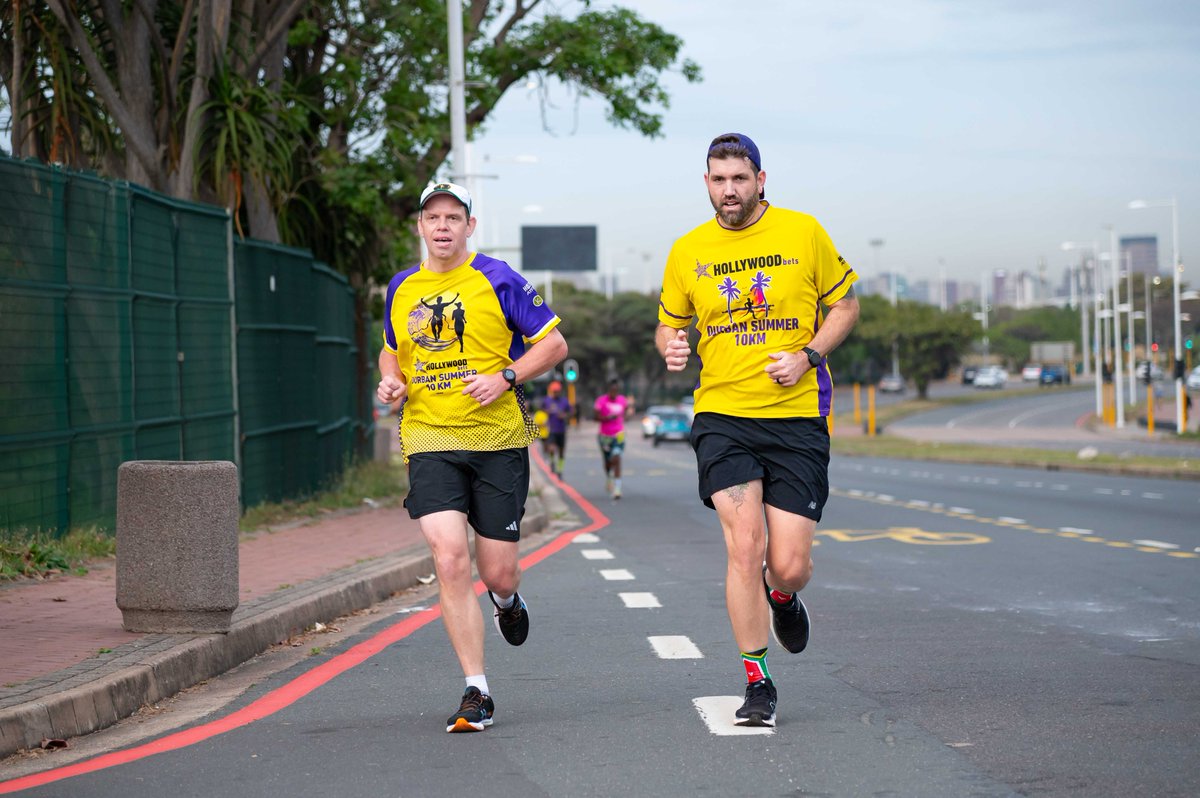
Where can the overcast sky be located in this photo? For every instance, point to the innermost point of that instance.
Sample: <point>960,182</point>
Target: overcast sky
<point>982,133</point>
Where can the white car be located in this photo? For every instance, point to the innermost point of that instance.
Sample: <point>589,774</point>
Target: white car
<point>992,377</point>
<point>1031,373</point>
<point>1193,379</point>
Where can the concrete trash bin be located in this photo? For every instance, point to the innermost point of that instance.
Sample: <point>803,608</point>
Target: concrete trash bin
<point>177,545</point>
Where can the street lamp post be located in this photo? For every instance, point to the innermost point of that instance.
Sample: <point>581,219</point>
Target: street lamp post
<point>1084,276</point>
<point>1129,333</point>
<point>1176,276</point>
<point>1118,378</point>
<point>877,244</point>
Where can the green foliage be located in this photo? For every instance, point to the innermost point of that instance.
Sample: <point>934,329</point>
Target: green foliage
<point>1013,331</point>
<point>929,341</point>
<point>381,483</point>
<point>37,555</point>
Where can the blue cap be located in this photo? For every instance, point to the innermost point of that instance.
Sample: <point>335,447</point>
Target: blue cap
<point>738,138</point>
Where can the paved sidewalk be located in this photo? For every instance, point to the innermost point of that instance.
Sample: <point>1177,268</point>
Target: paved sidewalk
<point>67,667</point>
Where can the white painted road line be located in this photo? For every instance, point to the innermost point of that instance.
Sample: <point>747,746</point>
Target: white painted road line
<point>597,554</point>
<point>1152,496</point>
<point>962,510</point>
<point>675,647</point>
<point>639,601</point>
<point>717,713</point>
<point>1155,544</point>
<point>616,574</point>
<point>1005,519</point>
<point>586,537</point>
<point>1075,529</point>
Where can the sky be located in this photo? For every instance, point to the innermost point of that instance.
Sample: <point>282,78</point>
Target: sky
<point>968,135</point>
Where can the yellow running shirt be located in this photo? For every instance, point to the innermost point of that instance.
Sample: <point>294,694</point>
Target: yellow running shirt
<point>753,292</point>
<point>444,326</point>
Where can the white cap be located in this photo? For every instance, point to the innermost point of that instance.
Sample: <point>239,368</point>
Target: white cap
<point>453,189</point>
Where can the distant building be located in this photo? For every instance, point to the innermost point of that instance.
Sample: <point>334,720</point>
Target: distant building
<point>1140,253</point>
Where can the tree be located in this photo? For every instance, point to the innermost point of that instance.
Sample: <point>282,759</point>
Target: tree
<point>318,122</point>
<point>930,341</point>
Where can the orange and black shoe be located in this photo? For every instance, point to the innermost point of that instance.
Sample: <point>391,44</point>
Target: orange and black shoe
<point>474,714</point>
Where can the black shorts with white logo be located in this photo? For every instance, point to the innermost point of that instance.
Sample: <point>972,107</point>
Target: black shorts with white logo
<point>490,487</point>
<point>789,455</point>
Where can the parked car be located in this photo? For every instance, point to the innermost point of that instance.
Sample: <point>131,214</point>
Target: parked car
<point>968,374</point>
<point>1053,375</point>
<point>891,383</point>
<point>991,377</point>
<point>1193,379</point>
<point>651,419</point>
<point>1031,373</point>
<point>1156,373</point>
<point>673,425</point>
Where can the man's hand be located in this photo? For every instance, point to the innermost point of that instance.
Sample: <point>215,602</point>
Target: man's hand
<point>485,388</point>
<point>677,351</point>
<point>391,389</point>
<point>786,368</point>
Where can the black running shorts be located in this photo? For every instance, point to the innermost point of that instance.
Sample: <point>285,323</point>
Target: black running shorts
<point>789,455</point>
<point>490,487</point>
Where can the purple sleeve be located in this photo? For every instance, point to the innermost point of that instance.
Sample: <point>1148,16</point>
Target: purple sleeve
<point>523,307</point>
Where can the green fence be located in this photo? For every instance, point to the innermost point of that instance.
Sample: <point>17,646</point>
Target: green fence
<point>119,312</point>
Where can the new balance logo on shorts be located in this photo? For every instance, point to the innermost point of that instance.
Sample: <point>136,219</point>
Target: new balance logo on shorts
<point>812,505</point>
<point>511,527</point>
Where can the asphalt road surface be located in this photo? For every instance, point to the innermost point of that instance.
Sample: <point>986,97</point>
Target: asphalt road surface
<point>977,632</point>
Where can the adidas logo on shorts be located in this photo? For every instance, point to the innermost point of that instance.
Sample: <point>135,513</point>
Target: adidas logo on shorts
<point>511,527</point>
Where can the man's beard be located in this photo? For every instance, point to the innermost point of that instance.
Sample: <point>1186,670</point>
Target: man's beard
<point>738,217</point>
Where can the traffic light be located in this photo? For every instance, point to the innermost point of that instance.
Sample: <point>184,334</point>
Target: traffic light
<point>570,370</point>
<point>1187,344</point>
<point>1154,346</point>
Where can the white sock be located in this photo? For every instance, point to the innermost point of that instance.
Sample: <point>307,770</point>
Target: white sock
<point>617,484</point>
<point>479,681</point>
<point>504,603</point>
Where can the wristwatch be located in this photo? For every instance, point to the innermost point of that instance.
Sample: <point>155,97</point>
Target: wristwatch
<point>814,358</point>
<point>511,376</point>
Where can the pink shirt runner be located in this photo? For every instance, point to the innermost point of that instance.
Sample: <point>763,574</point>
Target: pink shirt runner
<point>607,406</point>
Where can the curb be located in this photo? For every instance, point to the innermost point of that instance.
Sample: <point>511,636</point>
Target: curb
<point>101,691</point>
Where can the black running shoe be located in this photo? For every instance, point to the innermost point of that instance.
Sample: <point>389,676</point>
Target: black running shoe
<point>511,622</point>
<point>759,707</point>
<point>474,714</point>
<point>789,622</point>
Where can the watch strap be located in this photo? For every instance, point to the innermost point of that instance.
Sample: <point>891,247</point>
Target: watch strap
<point>814,357</point>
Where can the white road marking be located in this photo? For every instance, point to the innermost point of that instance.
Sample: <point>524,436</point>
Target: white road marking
<point>1075,529</point>
<point>854,492</point>
<point>917,503</point>
<point>616,574</point>
<point>962,510</point>
<point>883,497</point>
<point>586,537</point>
<point>1059,487</point>
<point>1153,496</point>
<point>717,713</point>
<point>1104,491</point>
<point>597,554</point>
<point>675,647</point>
<point>1004,519</point>
<point>639,601</point>
<point>1156,544</point>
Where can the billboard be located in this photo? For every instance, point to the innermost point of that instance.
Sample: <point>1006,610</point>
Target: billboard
<point>558,248</point>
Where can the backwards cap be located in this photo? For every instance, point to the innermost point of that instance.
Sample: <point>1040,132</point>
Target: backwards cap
<point>453,189</point>
<point>734,139</point>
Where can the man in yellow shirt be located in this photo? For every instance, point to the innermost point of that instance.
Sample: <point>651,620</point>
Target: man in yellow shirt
<point>465,426</point>
<point>771,299</point>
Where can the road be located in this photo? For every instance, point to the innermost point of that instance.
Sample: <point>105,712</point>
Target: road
<point>977,632</point>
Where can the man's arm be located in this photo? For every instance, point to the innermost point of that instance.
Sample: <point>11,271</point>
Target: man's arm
<point>673,345</point>
<point>786,368</point>
<point>487,388</point>
<point>392,387</point>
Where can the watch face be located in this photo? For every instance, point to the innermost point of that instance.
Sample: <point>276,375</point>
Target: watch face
<point>509,375</point>
<point>813,358</point>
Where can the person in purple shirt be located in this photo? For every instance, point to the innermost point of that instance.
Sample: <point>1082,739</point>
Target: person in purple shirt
<point>558,411</point>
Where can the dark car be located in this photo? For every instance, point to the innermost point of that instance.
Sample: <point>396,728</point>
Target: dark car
<point>968,375</point>
<point>673,425</point>
<point>1053,375</point>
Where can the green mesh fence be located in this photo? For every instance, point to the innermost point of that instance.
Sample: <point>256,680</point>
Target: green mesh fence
<point>117,325</point>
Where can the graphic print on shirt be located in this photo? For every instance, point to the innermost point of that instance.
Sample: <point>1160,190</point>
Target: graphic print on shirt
<point>748,309</point>
<point>427,322</point>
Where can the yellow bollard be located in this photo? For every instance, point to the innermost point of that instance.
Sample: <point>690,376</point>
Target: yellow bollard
<point>871,411</point>
<point>857,407</point>
<point>1150,409</point>
<point>829,421</point>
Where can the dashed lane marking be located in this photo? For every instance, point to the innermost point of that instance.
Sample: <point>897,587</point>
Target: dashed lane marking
<point>674,647</point>
<point>616,574</point>
<point>1156,544</point>
<point>717,713</point>
<point>640,601</point>
<point>586,537</point>
<point>597,554</point>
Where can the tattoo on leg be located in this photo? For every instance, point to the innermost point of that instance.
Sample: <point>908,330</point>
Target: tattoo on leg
<point>737,493</point>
